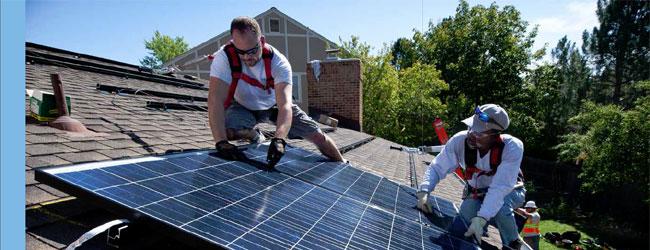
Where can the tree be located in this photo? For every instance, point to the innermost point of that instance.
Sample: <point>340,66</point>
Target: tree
<point>480,51</point>
<point>620,47</point>
<point>380,88</point>
<point>398,105</point>
<point>552,93</point>
<point>419,103</point>
<point>404,53</point>
<point>612,147</point>
<point>574,76</point>
<point>162,48</point>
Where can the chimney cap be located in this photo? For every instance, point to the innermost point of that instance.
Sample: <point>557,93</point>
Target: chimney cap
<point>332,54</point>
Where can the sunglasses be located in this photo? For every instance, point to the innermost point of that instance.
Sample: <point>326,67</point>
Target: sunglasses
<point>249,52</point>
<point>479,135</point>
<point>485,117</point>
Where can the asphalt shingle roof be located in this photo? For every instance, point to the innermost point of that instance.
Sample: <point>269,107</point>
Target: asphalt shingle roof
<point>130,129</point>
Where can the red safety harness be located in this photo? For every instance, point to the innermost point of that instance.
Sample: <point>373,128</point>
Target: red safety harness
<point>496,153</point>
<point>236,70</point>
<point>495,159</point>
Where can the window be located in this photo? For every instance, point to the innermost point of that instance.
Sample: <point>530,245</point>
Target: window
<point>274,25</point>
<point>297,89</point>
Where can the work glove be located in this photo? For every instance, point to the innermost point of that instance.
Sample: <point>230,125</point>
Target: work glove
<point>423,202</point>
<point>276,151</point>
<point>229,151</point>
<point>476,228</point>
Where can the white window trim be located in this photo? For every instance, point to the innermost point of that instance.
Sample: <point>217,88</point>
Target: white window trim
<point>271,31</point>
<point>298,84</point>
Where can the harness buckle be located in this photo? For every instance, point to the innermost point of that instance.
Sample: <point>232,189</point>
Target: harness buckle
<point>474,193</point>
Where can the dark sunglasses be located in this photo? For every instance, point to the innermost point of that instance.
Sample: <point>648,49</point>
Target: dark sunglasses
<point>251,52</point>
<point>485,117</point>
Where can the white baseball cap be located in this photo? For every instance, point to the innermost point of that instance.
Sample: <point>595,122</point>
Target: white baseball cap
<point>486,117</point>
<point>530,204</point>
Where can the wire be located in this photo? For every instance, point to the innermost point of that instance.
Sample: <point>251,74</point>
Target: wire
<point>422,16</point>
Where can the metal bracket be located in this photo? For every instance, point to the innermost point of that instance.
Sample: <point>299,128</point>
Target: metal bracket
<point>97,230</point>
<point>115,235</point>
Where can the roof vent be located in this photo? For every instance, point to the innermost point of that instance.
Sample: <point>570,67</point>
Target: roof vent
<point>64,121</point>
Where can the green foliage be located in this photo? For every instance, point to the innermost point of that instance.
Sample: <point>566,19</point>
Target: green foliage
<point>397,105</point>
<point>480,51</point>
<point>558,208</point>
<point>609,136</point>
<point>552,93</point>
<point>419,88</point>
<point>557,108</point>
<point>380,89</point>
<point>526,128</point>
<point>620,47</point>
<point>458,108</point>
<point>404,53</point>
<point>355,48</point>
<point>612,145</point>
<point>162,48</point>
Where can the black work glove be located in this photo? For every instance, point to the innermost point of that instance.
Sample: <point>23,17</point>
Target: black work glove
<point>229,151</point>
<point>276,151</point>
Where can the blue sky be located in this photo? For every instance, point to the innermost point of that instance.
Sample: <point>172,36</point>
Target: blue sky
<point>117,29</point>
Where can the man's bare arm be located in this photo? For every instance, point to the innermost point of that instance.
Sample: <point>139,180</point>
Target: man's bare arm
<point>217,94</point>
<point>284,102</point>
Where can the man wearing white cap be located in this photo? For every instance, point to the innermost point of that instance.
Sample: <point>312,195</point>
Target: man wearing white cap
<point>491,167</point>
<point>531,232</point>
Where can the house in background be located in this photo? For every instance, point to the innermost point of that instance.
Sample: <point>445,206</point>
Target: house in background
<point>296,41</point>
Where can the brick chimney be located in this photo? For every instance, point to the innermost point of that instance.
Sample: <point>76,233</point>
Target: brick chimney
<point>336,91</point>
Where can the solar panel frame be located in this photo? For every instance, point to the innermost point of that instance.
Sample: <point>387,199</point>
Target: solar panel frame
<point>126,212</point>
<point>322,175</point>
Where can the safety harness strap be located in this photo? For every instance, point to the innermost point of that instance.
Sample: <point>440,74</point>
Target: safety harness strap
<point>495,159</point>
<point>496,155</point>
<point>236,72</point>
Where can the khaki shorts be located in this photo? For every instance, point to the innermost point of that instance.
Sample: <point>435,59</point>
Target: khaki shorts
<point>238,117</point>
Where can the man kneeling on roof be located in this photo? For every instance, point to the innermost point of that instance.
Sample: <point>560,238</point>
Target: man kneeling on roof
<point>247,78</point>
<point>491,167</point>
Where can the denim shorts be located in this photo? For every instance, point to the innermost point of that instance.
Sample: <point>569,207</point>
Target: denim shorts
<point>238,117</point>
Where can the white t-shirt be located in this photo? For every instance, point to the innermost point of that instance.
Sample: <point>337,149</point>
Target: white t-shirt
<point>499,185</point>
<point>249,96</point>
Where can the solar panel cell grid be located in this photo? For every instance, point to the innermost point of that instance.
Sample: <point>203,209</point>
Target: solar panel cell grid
<point>306,203</point>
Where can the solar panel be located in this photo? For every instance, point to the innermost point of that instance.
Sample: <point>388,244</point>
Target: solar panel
<point>307,202</point>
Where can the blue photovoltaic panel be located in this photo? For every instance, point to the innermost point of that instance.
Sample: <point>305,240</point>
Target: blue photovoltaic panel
<point>306,203</point>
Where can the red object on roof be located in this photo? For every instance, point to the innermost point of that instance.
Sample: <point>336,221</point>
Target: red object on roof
<point>440,131</point>
<point>438,125</point>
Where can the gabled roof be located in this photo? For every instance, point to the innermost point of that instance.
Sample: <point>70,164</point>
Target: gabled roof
<point>227,33</point>
<point>116,99</point>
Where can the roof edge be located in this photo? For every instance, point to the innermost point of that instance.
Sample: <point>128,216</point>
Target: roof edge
<point>49,48</point>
